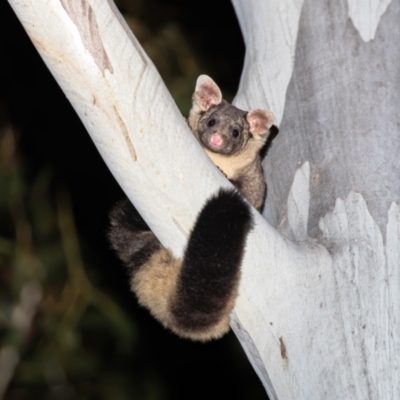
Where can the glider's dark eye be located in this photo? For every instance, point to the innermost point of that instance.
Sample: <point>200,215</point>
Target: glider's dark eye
<point>211,122</point>
<point>235,133</point>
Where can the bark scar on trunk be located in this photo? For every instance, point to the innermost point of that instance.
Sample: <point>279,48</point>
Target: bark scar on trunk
<point>283,349</point>
<point>82,15</point>
<point>125,133</point>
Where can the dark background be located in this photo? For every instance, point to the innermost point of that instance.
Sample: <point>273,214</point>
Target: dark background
<point>88,338</point>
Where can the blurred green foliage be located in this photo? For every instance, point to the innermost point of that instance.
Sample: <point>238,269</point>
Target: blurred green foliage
<point>50,313</point>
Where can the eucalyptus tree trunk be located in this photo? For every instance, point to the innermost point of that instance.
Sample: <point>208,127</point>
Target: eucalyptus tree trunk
<point>318,308</point>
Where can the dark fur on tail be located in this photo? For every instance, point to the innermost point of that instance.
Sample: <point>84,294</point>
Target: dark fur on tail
<point>211,264</point>
<point>130,236</point>
<point>192,297</point>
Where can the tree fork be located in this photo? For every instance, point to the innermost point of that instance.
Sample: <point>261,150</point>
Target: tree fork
<point>318,309</point>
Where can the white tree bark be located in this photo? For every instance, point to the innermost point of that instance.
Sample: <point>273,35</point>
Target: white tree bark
<point>318,309</point>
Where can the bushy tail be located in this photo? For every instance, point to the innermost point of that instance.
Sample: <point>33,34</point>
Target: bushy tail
<point>192,297</point>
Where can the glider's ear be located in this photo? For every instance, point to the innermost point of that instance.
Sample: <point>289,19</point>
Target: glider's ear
<point>260,121</point>
<point>207,93</point>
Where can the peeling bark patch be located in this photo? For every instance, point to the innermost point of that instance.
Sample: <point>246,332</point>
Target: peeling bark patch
<point>126,135</point>
<point>298,204</point>
<point>366,16</point>
<point>367,282</point>
<point>283,349</point>
<point>82,15</point>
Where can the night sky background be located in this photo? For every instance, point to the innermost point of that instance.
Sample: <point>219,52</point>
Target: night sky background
<point>89,339</point>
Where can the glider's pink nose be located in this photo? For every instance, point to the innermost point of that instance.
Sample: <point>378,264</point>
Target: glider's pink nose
<point>216,140</point>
